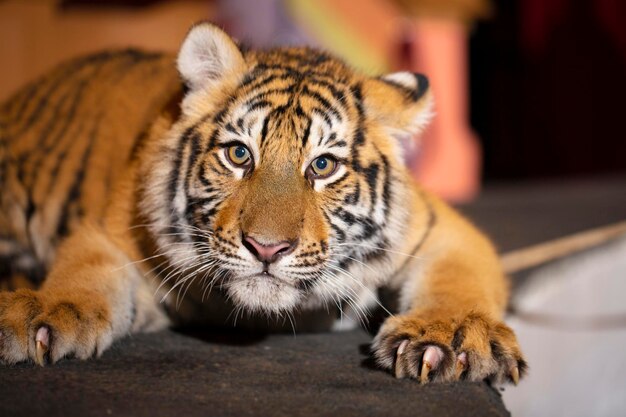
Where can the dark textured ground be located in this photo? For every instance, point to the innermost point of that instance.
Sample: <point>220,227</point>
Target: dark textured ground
<point>170,374</point>
<point>211,374</point>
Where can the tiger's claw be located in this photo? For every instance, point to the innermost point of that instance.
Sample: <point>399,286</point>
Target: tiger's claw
<point>461,365</point>
<point>474,348</point>
<point>426,367</point>
<point>398,371</point>
<point>430,361</point>
<point>42,341</point>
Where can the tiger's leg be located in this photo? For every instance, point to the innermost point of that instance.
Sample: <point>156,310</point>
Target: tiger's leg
<point>452,303</point>
<point>91,297</point>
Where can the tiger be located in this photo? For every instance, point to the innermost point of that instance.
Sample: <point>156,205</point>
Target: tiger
<point>144,190</point>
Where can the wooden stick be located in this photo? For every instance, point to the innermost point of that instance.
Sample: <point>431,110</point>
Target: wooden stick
<point>521,259</point>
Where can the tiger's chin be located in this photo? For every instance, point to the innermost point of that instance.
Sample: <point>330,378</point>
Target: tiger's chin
<point>262,293</point>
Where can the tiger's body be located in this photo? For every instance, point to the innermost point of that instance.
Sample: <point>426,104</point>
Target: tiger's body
<point>65,140</point>
<point>272,184</point>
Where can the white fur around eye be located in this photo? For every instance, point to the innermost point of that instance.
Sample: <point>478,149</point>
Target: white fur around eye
<point>238,171</point>
<point>320,184</point>
<point>249,140</point>
<point>318,146</point>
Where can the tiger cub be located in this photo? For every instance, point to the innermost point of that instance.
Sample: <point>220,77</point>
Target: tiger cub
<point>269,182</point>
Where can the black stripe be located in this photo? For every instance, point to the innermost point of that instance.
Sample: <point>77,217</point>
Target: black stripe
<point>219,162</point>
<point>120,69</point>
<point>324,115</point>
<point>319,142</point>
<point>218,117</point>
<point>287,71</point>
<point>277,111</point>
<point>354,197</point>
<point>326,105</point>
<point>75,189</point>
<point>212,142</point>
<point>45,146</point>
<point>259,105</point>
<point>338,144</point>
<point>252,80</point>
<point>266,122</point>
<point>347,217</point>
<point>357,93</point>
<point>371,177</point>
<point>47,142</point>
<point>375,254</point>
<point>261,96</point>
<point>62,79</point>
<point>204,178</point>
<point>174,179</point>
<point>338,181</point>
<point>59,163</point>
<point>229,126</point>
<point>42,104</point>
<point>202,201</point>
<point>22,99</point>
<point>217,171</point>
<point>307,132</point>
<point>332,137</point>
<point>370,229</point>
<point>386,197</point>
<point>192,158</point>
<point>338,95</point>
<point>207,216</point>
<point>341,235</point>
<point>305,56</point>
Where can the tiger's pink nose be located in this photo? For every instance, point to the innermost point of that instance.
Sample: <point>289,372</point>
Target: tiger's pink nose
<point>268,253</point>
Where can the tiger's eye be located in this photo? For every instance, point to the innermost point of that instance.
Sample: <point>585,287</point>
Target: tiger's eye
<point>239,155</point>
<point>323,166</point>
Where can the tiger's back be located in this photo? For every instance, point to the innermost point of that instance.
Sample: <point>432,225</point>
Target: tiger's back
<point>64,141</point>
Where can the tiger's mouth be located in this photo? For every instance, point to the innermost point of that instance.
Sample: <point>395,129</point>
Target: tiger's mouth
<point>256,275</point>
<point>270,276</point>
<point>263,292</point>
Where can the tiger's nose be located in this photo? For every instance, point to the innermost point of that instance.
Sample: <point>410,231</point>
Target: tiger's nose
<point>268,253</point>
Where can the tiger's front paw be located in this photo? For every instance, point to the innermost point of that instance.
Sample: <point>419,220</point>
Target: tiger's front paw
<point>431,349</point>
<point>46,328</point>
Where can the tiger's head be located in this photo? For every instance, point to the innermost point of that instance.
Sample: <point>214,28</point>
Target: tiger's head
<point>283,173</point>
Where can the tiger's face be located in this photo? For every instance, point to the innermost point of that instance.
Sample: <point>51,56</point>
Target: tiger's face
<point>283,172</point>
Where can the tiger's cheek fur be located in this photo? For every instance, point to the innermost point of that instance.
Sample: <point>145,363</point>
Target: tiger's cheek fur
<point>316,229</point>
<point>226,217</point>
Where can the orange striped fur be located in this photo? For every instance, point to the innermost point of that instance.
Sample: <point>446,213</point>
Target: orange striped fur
<point>268,183</point>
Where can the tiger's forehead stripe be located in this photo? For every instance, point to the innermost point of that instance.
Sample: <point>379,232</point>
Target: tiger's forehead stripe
<point>285,92</point>
<point>320,83</point>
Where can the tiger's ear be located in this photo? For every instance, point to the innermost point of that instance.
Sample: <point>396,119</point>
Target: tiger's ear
<point>207,56</point>
<point>401,102</point>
